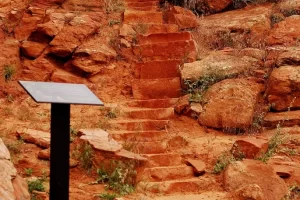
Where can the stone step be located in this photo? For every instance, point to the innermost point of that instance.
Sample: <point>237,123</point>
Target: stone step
<point>152,103</point>
<point>145,8</point>
<point>139,125</point>
<point>138,147</point>
<point>194,185</point>
<point>166,173</point>
<point>156,88</point>
<point>163,37</point>
<point>131,1</point>
<point>141,4</point>
<point>182,50</point>
<point>148,113</point>
<point>152,28</point>
<point>168,159</point>
<point>142,136</point>
<point>288,118</point>
<point>132,16</point>
<point>158,69</point>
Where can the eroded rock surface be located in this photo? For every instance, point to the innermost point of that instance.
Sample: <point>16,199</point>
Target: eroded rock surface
<point>230,104</point>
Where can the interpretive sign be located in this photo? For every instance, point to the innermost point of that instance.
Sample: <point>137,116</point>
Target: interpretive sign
<point>60,95</point>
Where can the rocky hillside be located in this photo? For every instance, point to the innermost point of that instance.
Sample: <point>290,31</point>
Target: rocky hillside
<point>202,98</point>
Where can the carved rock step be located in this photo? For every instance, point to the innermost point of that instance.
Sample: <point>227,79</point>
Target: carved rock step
<point>168,159</point>
<point>156,88</point>
<point>130,1</point>
<point>152,28</point>
<point>143,136</point>
<point>145,8</point>
<point>141,4</point>
<point>148,113</point>
<point>183,50</point>
<point>158,69</point>
<point>154,147</point>
<point>152,103</point>
<point>163,38</point>
<point>288,118</point>
<point>133,16</point>
<point>139,125</point>
<point>177,186</point>
<point>166,173</point>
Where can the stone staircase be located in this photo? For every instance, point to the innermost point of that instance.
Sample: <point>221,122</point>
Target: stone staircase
<point>143,124</point>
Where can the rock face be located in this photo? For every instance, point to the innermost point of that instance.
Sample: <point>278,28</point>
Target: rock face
<point>217,63</point>
<point>284,88</point>
<point>286,32</point>
<point>289,56</point>
<point>72,36</point>
<point>241,176</point>
<point>91,55</point>
<point>12,186</point>
<point>182,17</point>
<point>230,104</point>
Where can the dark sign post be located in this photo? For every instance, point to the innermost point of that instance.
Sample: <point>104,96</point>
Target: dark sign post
<point>60,95</point>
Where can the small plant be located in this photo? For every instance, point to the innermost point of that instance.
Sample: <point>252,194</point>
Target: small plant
<point>111,114</point>
<point>10,98</point>
<point>36,185</point>
<point>198,88</point>
<point>9,71</point>
<point>276,18</point>
<point>114,6</point>
<point>28,171</point>
<point>107,196</point>
<point>113,22</point>
<point>222,162</point>
<point>276,140</point>
<point>121,179</point>
<point>86,156</point>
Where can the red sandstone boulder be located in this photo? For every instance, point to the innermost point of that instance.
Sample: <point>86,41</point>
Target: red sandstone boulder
<point>284,88</point>
<point>230,104</point>
<point>249,148</point>
<point>32,49</point>
<point>92,55</point>
<point>241,176</point>
<point>39,69</point>
<point>215,64</point>
<point>80,28</point>
<point>182,17</point>
<point>286,32</point>
<point>248,26</point>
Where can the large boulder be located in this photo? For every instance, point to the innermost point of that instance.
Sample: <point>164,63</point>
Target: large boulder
<point>243,27</point>
<point>253,179</point>
<point>184,18</point>
<point>284,88</point>
<point>71,36</point>
<point>217,63</point>
<point>230,104</point>
<point>32,49</point>
<point>286,32</point>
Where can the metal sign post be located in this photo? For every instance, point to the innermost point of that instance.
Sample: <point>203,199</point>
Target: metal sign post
<point>60,95</point>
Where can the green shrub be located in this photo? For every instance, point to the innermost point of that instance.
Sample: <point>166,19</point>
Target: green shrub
<point>36,185</point>
<point>9,71</point>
